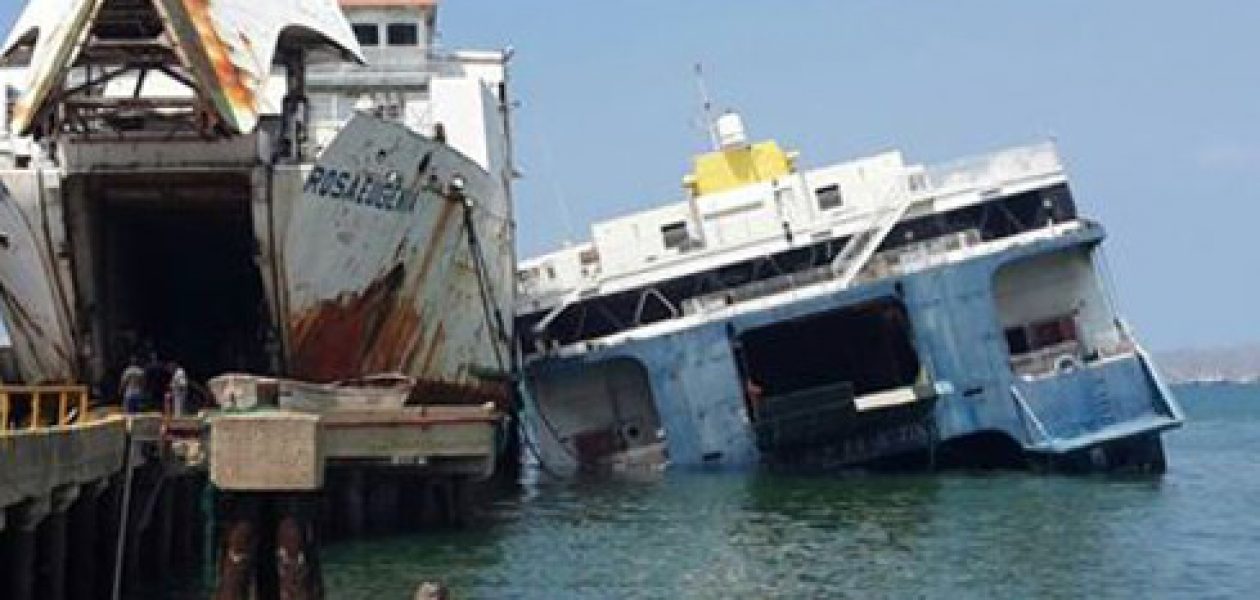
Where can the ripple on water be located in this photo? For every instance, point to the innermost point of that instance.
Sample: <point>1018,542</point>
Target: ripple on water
<point>1194,533</point>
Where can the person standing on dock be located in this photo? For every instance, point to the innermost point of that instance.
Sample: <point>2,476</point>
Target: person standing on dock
<point>179,391</point>
<point>133,387</point>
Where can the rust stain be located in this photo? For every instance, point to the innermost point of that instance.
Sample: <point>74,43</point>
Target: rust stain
<point>330,340</point>
<point>234,84</point>
<point>400,337</point>
<point>436,346</point>
<point>379,332</point>
<point>388,343</point>
<point>439,235</point>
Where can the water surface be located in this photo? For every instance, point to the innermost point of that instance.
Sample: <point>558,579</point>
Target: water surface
<point>1194,533</point>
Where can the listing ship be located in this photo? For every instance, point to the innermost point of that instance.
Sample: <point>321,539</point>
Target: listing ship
<point>305,189</point>
<point>870,313</point>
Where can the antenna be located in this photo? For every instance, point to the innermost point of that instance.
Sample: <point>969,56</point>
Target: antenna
<point>706,107</point>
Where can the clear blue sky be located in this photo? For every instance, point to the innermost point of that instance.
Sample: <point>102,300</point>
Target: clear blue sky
<point>1155,105</point>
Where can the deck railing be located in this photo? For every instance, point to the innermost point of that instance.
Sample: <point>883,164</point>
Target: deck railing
<point>27,408</point>
<point>996,168</point>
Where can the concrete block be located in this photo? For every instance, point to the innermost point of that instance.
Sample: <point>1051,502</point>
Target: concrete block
<point>266,451</point>
<point>35,463</point>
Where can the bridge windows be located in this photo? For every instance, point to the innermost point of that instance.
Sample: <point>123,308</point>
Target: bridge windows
<point>402,34</point>
<point>368,34</point>
<point>396,34</point>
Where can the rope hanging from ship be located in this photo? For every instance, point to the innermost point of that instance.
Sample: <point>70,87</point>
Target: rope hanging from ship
<point>494,320</point>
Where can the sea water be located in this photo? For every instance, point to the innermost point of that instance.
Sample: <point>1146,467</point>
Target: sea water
<point>1193,533</point>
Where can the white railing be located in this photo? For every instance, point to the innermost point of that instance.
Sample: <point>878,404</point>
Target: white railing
<point>996,168</point>
<point>1072,354</point>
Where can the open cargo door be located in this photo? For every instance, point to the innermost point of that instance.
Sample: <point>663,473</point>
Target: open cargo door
<point>823,380</point>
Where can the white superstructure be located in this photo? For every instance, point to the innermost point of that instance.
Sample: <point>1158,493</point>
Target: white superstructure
<point>765,211</point>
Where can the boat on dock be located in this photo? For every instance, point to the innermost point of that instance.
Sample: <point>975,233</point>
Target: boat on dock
<point>870,312</point>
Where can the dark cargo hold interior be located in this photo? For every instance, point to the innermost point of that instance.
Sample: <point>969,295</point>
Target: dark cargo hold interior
<point>177,274</point>
<point>868,346</point>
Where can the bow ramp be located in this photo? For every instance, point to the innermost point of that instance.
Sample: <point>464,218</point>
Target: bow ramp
<point>113,66</point>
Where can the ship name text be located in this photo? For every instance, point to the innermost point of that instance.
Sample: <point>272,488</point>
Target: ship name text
<point>365,188</point>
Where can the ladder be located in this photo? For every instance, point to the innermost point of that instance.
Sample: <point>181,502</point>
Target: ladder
<point>570,299</point>
<point>862,246</point>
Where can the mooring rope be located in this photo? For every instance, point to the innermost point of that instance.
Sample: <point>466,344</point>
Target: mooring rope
<point>120,549</point>
<point>495,320</point>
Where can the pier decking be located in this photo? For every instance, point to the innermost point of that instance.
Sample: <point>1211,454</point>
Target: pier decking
<point>93,502</point>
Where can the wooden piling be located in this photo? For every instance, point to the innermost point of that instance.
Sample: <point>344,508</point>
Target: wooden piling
<point>163,529</point>
<point>51,551</point>
<point>22,563</point>
<point>239,519</point>
<point>354,488</point>
<point>383,503</point>
<point>297,548</point>
<point>83,557</point>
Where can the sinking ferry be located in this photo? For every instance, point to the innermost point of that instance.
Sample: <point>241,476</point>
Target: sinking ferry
<point>870,313</point>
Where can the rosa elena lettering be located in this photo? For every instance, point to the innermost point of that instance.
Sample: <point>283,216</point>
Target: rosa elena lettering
<point>368,189</point>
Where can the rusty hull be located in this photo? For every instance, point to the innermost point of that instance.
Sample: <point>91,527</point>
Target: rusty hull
<point>228,48</point>
<point>381,275</point>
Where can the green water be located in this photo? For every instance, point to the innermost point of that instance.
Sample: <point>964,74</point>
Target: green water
<point>1195,533</point>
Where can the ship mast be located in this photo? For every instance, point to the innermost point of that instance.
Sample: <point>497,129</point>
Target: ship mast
<point>706,107</point>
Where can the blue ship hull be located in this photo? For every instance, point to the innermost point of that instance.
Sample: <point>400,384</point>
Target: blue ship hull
<point>1100,412</point>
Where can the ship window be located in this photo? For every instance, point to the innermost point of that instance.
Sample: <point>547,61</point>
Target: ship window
<point>11,95</point>
<point>829,197</point>
<point>1025,339</point>
<point>1017,340</point>
<point>1054,332</point>
<point>402,34</point>
<point>588,257</point>
<point>368,34</point>
<point>918,182</point>
<point>675,236</point>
